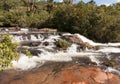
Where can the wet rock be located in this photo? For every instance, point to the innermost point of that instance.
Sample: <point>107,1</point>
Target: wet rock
<point>76,40</point>
<point>30,43</point>
<point>115,57</point>
<point>109,63</point>
<point>109,60</point>
<point>35,44</point>
<point>33,29</point>
<point>35,52</point>
<point>85,46</point>
<point>36,35</point>
<point>14,29</point>
<point>48,30</point>
<point>60,73</point>
<point>83,61</point>
<point>72,39</point>
<point>45,43</point>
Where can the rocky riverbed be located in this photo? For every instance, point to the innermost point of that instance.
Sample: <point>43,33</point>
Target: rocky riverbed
<point>62,58</point>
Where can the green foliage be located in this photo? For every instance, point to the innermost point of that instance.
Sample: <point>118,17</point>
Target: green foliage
<point>97,47</point>
<point>28,53</point>
<point>62,44</point>
<point>99,23</point>
<point>8,51</point>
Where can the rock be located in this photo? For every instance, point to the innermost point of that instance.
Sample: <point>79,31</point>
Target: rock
<point>83,61</point>
<point>30,43</point>
<point>48,30</point>
<point>45,43</point>
<point>88,45</point>
<point>112,61</point>
<point>33,29</point>
<point>85,46</point>
<point>72,39</point>
<point>60,73</point>
<point>14,29</point>
<point>109,63</point>
<point>33,51</point>
<point>76,40</point>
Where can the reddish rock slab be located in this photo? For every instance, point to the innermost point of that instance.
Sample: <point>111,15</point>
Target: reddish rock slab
<point>60,73</point>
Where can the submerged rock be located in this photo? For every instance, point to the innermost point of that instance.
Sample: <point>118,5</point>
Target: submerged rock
<point>60,73</point>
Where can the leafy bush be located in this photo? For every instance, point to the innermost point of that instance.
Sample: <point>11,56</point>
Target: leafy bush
<point>27,52</point>
<point>62,44</point>
<point>8,51</point>
<point>96,47</point>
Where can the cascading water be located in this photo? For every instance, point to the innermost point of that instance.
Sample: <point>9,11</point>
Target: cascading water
<point>50,53</point>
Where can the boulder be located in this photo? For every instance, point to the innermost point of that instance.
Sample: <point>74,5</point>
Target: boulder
<point>48,30</point>
<point>72,39</point>
<point>76,40</point>
<point>14,29</point>
<point>33,51</point>
<point>60,73</point>
<point>30,43</point>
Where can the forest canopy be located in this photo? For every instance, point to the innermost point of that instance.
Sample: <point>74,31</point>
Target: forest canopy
<point>99,23</point>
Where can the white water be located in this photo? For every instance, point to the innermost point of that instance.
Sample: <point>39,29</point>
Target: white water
<point>24,29</point>
<point>110,69</point>
<point>114,44</point>
<point>84,39</point>
<point>25,63</point>
<point>110,50</point>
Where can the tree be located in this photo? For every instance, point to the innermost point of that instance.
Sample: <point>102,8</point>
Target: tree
<point>68,1</point>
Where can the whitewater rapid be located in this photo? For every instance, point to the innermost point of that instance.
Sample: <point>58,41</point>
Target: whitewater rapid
<point>25,63</point>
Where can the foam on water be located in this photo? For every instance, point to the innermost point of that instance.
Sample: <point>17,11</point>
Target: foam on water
<point>51,38</point>
<point>110,50</point>
<point>94,59</point>
<point>25,63</point>
<point>65,34</point>
<point>84,39</point>
<point>110,69</point>
<point>72,49</point>
<point>24,29</point>
<point>16,38</point>
<point>114,44</point>
<point>33,38</point>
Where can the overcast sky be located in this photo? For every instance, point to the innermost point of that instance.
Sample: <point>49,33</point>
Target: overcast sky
<point>99,2</point>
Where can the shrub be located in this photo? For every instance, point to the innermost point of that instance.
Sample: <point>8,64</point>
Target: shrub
<point>27,52</point>
<point>8,51</point>
<point>97,47</point>
<point>62,44</point>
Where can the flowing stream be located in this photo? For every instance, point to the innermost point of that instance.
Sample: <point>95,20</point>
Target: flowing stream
<point>106,56</point>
